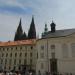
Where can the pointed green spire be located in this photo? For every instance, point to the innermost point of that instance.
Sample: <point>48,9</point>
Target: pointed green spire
<point>32,30</point>
<point>46,29</point>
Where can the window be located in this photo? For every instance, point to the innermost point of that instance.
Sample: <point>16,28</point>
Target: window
<point>5,61</point>
<point>42,65</point>
<point>4,67</point>
<point>25,54</point>
<point>42,47</point>
<point>65,50</point>
<point>6,54</point>
<point>16,48</point>
<point>20,47</point>
<point>3,49</point>
<point>31,47</point>
<point>73,49</point>
<point>10,61</point>
<point>9,67</point>
<point>20,54</point>
<point>25,61</point>
<point>19,61</point>
<point>30,54</point>
<point>1,61</point>
<point>19,67</point>
<point>15,54</point>
<point>30,61</point>
<point>15,62</point>
<point>53,55</point>
<point>2,54</point>
<point>7,49</point>
<point>11,48</point>
<point>53,51</point>
<point>52,46</point>
<point>10,54</point>
<point>14,68</point>
<point>42,55</point>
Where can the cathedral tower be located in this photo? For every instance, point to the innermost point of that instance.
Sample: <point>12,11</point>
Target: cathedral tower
<point>32,30</point>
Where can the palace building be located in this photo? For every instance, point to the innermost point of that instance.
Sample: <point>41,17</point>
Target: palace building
<point>17,55</point>
<point>54,52</point>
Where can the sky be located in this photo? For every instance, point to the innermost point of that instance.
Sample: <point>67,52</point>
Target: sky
<point>62,12</point>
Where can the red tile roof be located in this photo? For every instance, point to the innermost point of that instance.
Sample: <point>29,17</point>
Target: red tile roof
<point>22,42</point>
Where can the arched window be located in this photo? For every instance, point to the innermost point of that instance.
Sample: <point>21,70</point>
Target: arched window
<point>65,51</point>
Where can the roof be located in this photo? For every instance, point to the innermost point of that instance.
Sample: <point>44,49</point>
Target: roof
<point>59,33</point>
<point>15,43</point>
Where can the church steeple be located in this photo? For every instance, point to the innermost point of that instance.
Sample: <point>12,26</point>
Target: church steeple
<point>45,29</point>
<point>53,27</point>
<point>19,32</point>
<point>32,30</point>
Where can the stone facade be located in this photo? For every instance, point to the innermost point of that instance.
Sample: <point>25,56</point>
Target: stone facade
<point>60,48</point>
<point>17,55</point>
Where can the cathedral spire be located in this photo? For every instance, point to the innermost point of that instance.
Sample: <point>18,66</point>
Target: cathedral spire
<point>32,30</point>
<point>19,32</point>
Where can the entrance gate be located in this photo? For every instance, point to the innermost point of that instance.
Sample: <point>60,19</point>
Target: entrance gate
<point>53,66</point>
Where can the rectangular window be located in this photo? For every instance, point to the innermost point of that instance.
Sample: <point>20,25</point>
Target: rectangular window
<point>25,62</point>
<point>20,47</point>
<point>20,54</point>
<point>9,67</point>
<point>25,54</point>
<point>15,62</point>
<point>52,46</point>
<point>3,49</point>
<point>10,61</point>
<point>42,47</point>
<point>31,47</point>
<point>6,54</point>
<point>1,61</point>
<point>10,54</point>
<point>5,61</point>
<point>42,65</point>
<point>73,49</point>
<point>7,49</point>
<point>42,55</point>
<point>53,55</point>
<point>2,54</point>
<point>30,54</point>
<point>5,67</point>
<point>19,61</point>
<point>30,61</point>
<point>15,54</point>
<point>65,51</point>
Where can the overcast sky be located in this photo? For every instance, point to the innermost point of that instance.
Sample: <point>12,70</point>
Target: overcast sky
<point>62,12</point>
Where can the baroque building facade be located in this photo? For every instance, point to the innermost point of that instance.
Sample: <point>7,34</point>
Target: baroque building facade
<point>56,51</point>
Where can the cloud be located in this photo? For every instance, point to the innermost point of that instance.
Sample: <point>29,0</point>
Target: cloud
<point>44,11</point>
